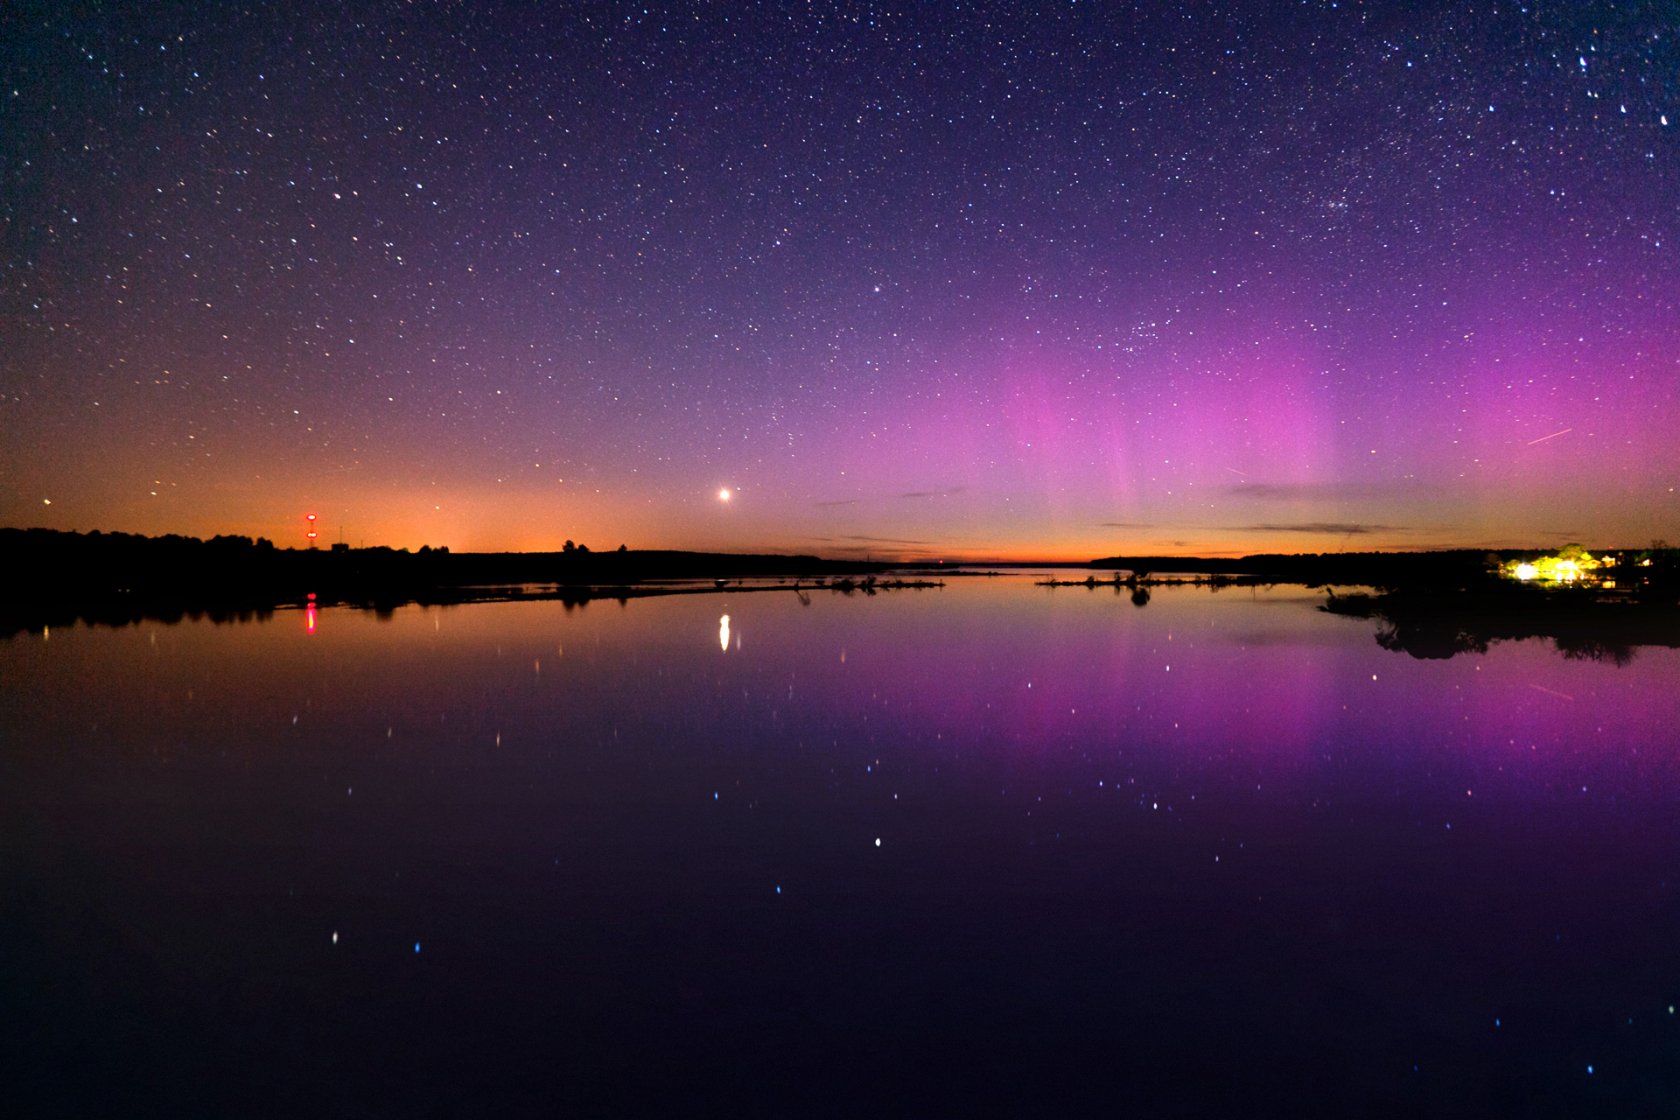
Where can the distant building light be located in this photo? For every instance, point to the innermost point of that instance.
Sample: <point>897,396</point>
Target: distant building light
<point>1571,568</point>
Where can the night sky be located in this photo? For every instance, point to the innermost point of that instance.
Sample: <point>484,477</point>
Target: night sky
<point>1052,281</point>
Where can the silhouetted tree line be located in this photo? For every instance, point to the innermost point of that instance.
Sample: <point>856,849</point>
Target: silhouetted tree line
<point>58,577</point>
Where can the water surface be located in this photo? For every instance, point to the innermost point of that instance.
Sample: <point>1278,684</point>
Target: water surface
<point>992,845</point>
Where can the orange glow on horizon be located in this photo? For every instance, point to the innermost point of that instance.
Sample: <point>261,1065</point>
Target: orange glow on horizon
<point>881,526</point>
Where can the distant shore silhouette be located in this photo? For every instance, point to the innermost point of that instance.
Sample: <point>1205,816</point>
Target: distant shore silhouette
<point>1429,603</point>
<point>116,578</point>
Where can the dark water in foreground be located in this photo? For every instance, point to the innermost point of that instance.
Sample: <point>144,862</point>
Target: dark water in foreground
<point>991,848</point>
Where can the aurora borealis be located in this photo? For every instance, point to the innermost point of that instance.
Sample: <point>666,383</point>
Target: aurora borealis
<point>958,280</point>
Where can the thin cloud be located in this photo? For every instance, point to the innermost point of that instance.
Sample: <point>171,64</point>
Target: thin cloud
<point>934,493</point>
<point>884,549</point>
<point>882,540</point>
<point>1300,491</point>
<point>840,502</point>
<point>1336,528</point>
<point>1269,491</point>
<point>1124,525</point>
<point>867,540</point>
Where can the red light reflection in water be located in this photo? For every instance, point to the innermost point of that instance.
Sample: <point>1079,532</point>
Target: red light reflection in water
<point>309,615</point>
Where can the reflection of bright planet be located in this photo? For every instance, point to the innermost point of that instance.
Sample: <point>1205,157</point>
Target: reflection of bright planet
<point>724,495</point>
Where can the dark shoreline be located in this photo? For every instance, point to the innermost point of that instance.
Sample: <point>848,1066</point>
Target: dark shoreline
<point>115,579</point>
<point>1423,598</point>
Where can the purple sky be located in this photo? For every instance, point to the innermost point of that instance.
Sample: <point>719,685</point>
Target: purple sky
<point>950,280</point>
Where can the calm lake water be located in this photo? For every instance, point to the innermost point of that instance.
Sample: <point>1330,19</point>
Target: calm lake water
<point>990,847</point>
